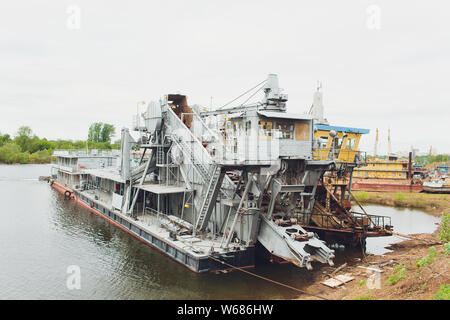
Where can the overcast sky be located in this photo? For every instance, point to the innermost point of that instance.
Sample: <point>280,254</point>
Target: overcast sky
<point>381,63</point>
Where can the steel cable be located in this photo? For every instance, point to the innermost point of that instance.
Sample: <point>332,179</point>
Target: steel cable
<point>267,279</point>
<point>242,94</point>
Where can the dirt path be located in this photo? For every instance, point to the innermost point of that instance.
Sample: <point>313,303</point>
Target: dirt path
<point>401,278</point>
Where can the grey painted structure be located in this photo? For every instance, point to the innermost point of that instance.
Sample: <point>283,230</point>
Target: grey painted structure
<point>210,185</point>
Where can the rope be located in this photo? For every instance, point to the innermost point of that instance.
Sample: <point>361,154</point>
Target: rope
<point>269,280</point>
<point>411,237</point>
<point>242,94</point>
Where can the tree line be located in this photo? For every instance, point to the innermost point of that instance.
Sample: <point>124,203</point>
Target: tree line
<point>429,159</point>
<point>26,147</point>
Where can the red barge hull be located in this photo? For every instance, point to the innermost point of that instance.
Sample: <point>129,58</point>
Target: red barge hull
<point>385,186</point>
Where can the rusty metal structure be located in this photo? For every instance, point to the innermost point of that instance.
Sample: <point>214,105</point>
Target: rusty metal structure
<point>334,219</point>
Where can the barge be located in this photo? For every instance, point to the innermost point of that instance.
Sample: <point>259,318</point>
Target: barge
<point>209,185</point>
<point>439,185</point>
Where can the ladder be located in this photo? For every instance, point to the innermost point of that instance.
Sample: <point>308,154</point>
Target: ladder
<point>202,168</point>
<point>160,156</point>
<point>209,196</point>
<point>193,149</point>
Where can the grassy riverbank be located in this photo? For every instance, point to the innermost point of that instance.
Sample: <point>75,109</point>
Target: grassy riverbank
<point>435,204</point>
<point>416,269</point>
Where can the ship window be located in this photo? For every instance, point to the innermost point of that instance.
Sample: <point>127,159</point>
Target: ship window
<point>180,256</point>
<point>118,188</point>
<point>350,144</point>
<point>337,143</point>
<point>286,129</point>
<point>265,128</point>
<point>248,127</point>
<point>323,142</point>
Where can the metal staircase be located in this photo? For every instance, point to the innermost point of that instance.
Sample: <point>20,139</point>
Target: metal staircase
<point>137,172</point>
<point>160,159</point>
<point>209,174</point>
<point>209,196</point>
<point>194,150</point>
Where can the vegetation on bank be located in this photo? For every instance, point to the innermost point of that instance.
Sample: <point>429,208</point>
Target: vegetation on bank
<point>428,259</point>
<point>416,269</point>
<point>436,204</point>
<point>25,147</point>
<point>425,160</point>
<point>444,232</point>
<point>443,293</point>
<point>429,159</point>
<point>398,274</point>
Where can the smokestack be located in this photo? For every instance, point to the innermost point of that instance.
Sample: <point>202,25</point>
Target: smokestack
<point>410,166</point>
<point>317,106</point>
<point>389,142</point>
<point>376,145</point>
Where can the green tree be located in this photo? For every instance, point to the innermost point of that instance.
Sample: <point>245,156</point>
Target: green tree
<point>8,153</point>
<point>23,138</point>
<point>101,132</point>
<point>94,132</point>
<point>25,131</point>
<point>108,131</point>
<point>29,148</point>
<point>4,139</point>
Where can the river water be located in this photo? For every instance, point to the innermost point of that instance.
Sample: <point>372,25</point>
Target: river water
<point>42,235</point>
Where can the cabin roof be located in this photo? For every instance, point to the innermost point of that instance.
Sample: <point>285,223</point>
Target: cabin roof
<point>110,173</point>
<point>284,115</point>
<point>342,129</point>
<point>160,188</point>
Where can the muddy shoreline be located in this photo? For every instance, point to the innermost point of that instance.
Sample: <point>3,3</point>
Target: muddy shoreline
<point>400,275</point>
<point>414,284</point>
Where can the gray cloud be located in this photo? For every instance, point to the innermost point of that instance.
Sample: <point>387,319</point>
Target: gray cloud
<point>59,81</point>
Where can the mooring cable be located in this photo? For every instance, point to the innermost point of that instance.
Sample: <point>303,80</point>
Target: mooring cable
<point>267,279</point>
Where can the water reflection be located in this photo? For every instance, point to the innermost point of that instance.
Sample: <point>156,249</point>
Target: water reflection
<point>406,221</point>
<point>41,234</point>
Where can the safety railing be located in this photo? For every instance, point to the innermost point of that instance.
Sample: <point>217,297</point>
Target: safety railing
<point>251,146</point>
<point>322,220</point>
<point>383,222</point>
<point>327,221</point>
<point>348,156</point>
<point>193,150</point>
<point>85,153</point>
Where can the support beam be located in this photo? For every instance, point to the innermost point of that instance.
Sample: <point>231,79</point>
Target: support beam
<point>238,211</point>
<point>141,182</point>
